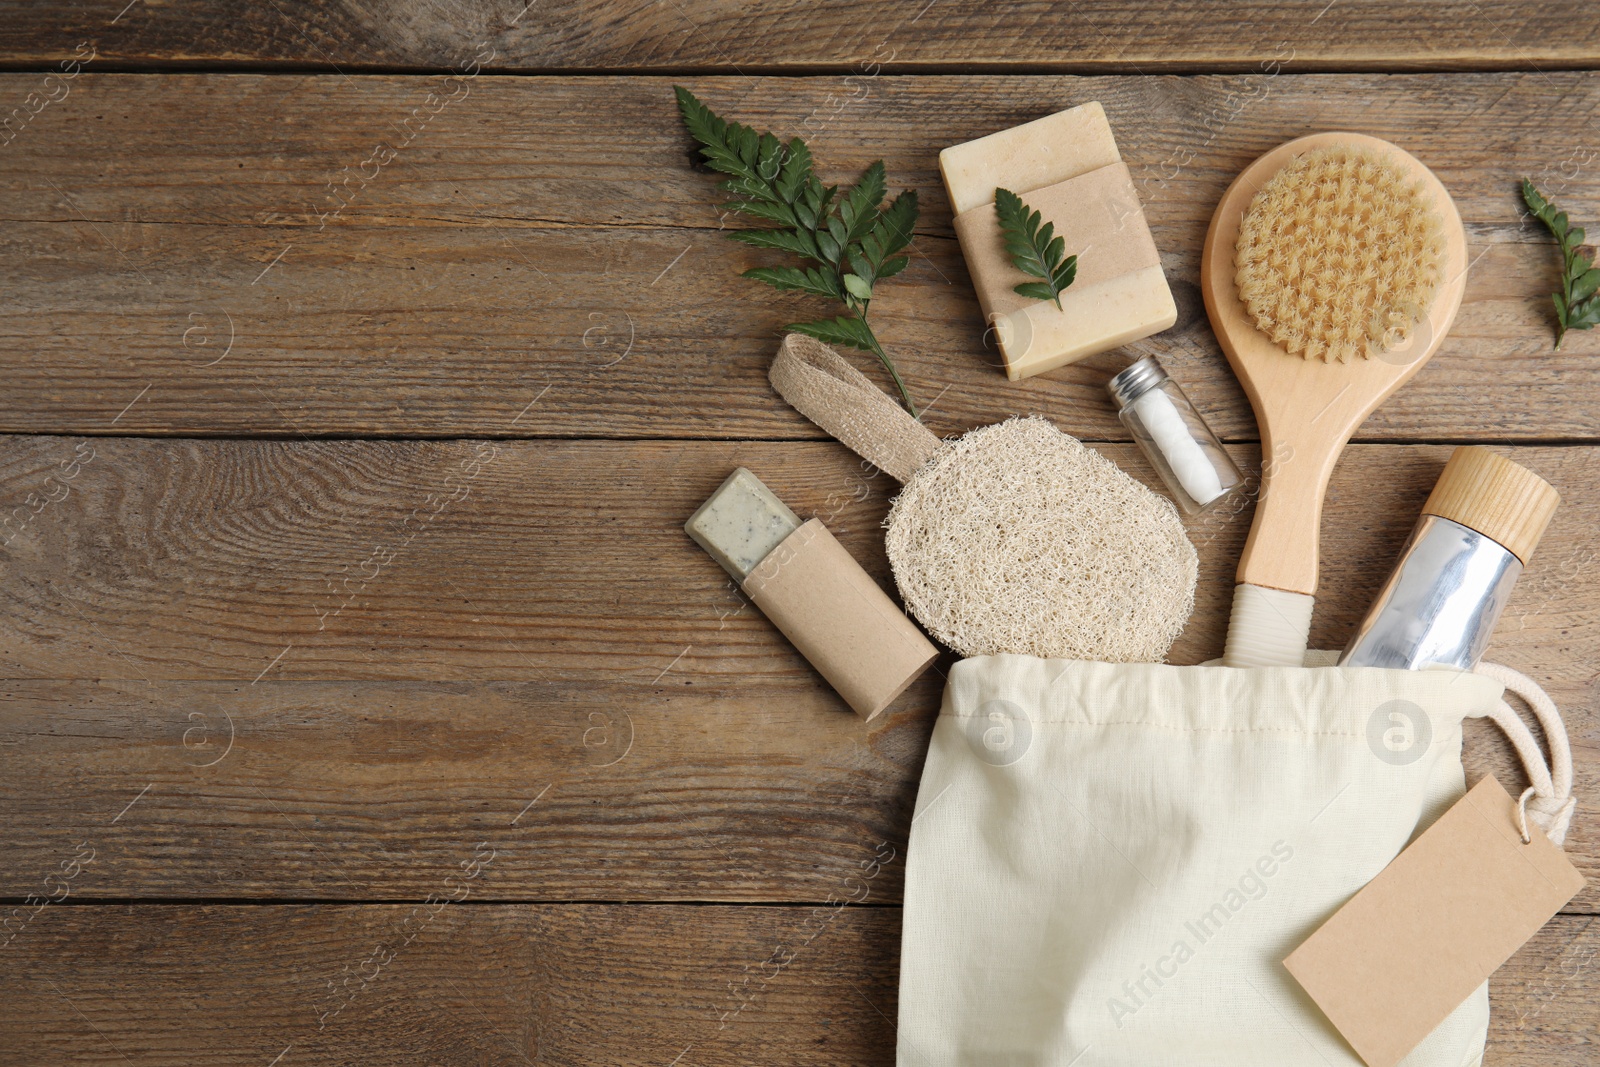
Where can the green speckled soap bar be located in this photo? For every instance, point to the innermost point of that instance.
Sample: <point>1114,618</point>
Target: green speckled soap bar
<point>741,523</point>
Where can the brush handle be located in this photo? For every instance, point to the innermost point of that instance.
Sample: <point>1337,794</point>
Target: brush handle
<point>1267,628</point>
<point>1272,604</point>
<point>1282,550</point>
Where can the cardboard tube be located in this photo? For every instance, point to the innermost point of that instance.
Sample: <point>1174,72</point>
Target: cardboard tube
<point>839,619</point>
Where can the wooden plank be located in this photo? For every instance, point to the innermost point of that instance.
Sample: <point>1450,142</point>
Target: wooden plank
<point>363,791</point>
<point>462,560</point>
<point>400,668</point>
<point>691,790</point>
<point>551,984</point>
<point>789,35</point>
<point>520,269</point>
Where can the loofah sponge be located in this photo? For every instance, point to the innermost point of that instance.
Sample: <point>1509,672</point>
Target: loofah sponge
<point>1017,538</point>
<point>1339,255</point>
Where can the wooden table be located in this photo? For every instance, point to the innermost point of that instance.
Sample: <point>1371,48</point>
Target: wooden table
<point>363,700</point>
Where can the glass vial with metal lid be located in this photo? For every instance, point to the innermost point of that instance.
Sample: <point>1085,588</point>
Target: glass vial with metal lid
<point>1173,436</point>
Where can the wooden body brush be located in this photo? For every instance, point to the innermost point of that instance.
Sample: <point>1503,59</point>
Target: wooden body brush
<point>1332,271</point>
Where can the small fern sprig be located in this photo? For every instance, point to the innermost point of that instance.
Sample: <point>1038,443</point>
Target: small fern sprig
<point>1577,305</point>
<point>1034,248</point>
<point>854,240</point>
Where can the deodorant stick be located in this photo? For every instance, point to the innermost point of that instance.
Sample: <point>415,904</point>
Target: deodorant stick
<point>814,591</point>
<point>1477,531</point>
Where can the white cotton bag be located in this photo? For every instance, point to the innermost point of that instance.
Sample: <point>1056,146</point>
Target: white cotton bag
<point>1108,862</point>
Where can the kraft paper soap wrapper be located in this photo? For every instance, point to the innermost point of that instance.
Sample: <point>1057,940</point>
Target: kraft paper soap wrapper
<point>839,619</point>
<point>1066,167</point>
<point>1120,292</point>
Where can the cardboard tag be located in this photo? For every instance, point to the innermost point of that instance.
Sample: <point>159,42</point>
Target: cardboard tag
<point>1413,944</point>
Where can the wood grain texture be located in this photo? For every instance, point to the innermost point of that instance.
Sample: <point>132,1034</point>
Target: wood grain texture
<point>400,667</point>
<point>1481,489</point>
<point>686,790</point>
<point>236,671</point>
<point>538,258</point>
<point>507,984</point>
<point>1119,35</point>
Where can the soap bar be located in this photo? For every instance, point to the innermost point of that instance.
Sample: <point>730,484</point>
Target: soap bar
<point>814,591</point>
<point>1030,156</point>
<point>741,523</point>
<point>1066,167</point>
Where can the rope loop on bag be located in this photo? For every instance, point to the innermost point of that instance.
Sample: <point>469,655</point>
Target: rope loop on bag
<point>827,389</point>
<point>1522,814</point>
<point>1549,799</point>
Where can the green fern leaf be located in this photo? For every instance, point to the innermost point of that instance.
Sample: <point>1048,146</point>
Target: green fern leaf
<point>1576,305</point>
<point>1034,248</point>
<point>806,280</point>
<point>853,238</point>
<point>850,332</point>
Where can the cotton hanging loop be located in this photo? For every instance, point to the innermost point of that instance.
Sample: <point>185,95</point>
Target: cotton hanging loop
<point>1548,802</point>
<point>1013,538</point>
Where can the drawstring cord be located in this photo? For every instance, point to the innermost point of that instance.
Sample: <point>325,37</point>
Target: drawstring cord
<point>1522,814</point>
<point>1549,799</point>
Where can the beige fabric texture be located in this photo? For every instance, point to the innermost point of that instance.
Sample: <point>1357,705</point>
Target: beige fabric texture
<point>1108,862</point>
<point>824,387</point>
<point>1018,538</point>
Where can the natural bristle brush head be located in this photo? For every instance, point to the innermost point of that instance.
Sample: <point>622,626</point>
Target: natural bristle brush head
<point>1339,255</point>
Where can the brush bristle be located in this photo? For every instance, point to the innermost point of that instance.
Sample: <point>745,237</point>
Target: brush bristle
<point>1339,255</point>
